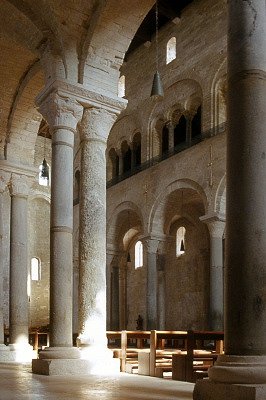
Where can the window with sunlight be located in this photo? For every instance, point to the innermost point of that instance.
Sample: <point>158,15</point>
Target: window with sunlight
<point>35,269</point>
<point>138,255</point>
<point>122,86</point>
<point>171,50</point>
<point>180,241</point>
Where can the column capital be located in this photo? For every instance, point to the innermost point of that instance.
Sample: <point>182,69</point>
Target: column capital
<point>4,181</point>
<point>151,244</point>
<point>216,224</point>
<point>96,124</point>
<point>20,185</point>
<point>59,110</point>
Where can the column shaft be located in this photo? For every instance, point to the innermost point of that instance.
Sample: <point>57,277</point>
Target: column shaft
<point>61,238</point>
<point>245,312</point>
<point>96,124</point>
<point>1,271</point>
<point>18,300</point>
<point>151,257</point>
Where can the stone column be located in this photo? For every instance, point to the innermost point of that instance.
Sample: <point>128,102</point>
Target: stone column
<point>18,297</point>
<point>4,350</point>
<point>95,127</point>
<point>62,114</point>
<point>115,297</point>
<point>121,163</point>
<point>171,137</point>
<point>241,372</point>
<point>216,228</point>
<point>150,246</point>
<point>123,293</point>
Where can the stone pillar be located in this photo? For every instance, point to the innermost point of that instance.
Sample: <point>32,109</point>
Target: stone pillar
<point>95,127</point>
<point>4,350</point>
<point>18,297</point>
<point>62,114</point>
<point>161,291</point>
<point>171,137</point>
<point>123,293</point>
<point>188,129</point>
<point>121,162</point>
<point>150,246</point>
<point>115,297</point>
<point>241,372</point>
<point>216,228</point>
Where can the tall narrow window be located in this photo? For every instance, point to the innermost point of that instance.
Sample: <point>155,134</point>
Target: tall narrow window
<point>196,123</point>
<point>35,269</point>
<point>44,174</point>
<point>138,254</point>
<point>122,86</point>
<point>180,241</point>
<point>171,50</point>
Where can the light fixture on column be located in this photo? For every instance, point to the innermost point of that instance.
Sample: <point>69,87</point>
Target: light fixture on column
<point>157,87</point>
<point>44,166</point>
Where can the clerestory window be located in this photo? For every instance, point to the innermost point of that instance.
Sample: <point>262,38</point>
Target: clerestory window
<point>138,255</point>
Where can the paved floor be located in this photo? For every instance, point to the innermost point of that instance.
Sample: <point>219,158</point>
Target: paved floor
<point>18,383</point>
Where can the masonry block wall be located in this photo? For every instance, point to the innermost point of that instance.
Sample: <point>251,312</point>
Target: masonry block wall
<point>197,76</point>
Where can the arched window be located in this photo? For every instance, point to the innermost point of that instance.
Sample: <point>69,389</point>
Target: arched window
<point>44,173</point>
<point>196,123</point>
<point>171,50</point>
<point>137,150</point>
<point>35,269</point>
<point>180,241</point>
<point>138,254</point>
<point>122,86</point>
<point>126,156</point>
<point>165,140</point>
<point>180,131</point>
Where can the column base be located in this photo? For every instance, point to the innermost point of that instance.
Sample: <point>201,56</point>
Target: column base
<point>99,360</point>
<point>208,390</point>
<point>5,354</point>
<point>22,352</point>
<point>74,361</point>
<point>234,378</point>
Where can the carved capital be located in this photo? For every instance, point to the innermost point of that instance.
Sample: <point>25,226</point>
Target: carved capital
<point>60,111</point>
<point>96,124</point>
<point>151,245</point>
<point>20,185</point>
<point>215,223</point>
<point>4,180</point>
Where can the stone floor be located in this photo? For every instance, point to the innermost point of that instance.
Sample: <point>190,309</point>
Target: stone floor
<point>17,382</point>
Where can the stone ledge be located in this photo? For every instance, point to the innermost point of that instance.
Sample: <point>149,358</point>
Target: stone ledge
<point>208,390</point>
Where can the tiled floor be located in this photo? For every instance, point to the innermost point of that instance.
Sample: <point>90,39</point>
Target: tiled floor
<point>18,383</point>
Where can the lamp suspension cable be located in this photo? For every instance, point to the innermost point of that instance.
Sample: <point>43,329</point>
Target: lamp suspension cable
<point>157,87</point>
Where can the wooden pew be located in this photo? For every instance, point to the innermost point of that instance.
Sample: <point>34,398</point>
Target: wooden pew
<point>195,362</point>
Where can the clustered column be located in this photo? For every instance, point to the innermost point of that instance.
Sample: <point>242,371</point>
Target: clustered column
<point>18,298</point>
<point>241,372</point>
<point>95,126</point>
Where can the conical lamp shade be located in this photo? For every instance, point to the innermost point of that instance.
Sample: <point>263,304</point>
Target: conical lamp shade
<point>157,87</point>
<point>182,246</point>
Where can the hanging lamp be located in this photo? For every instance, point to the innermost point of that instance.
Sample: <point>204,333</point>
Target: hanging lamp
<point>44,166</point>
<point>157,86</point>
